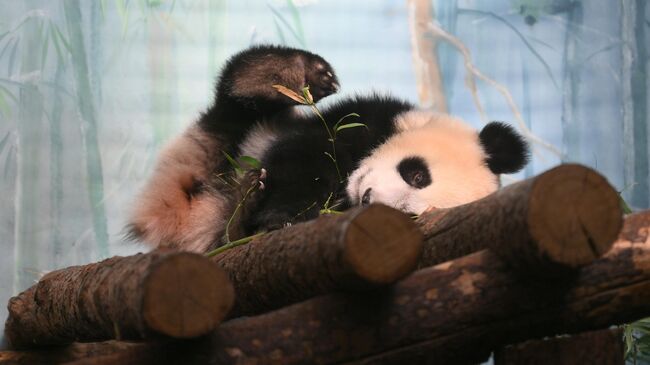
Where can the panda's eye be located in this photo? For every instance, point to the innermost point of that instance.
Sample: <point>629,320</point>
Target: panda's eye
<point>414,171</point>
<point>418,177</point>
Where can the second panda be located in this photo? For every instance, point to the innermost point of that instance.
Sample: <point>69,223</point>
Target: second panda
<point>406,158</point>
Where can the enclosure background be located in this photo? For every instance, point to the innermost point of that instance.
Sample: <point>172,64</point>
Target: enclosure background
<point>90,91</point>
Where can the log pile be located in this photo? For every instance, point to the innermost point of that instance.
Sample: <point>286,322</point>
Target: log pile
<point>538,258</point>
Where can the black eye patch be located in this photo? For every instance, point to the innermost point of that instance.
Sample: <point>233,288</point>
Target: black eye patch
<point>414,171</point>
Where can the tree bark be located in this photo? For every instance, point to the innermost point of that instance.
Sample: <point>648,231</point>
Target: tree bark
<point>564,218</point>
<point>433,316</point>
<point>604,347</point>
<point>425,56</point>
<point>178,294</point>
<point>476,302</point>
<point>362,248</point>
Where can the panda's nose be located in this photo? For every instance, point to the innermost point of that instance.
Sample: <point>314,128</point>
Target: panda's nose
<point>365,200</point>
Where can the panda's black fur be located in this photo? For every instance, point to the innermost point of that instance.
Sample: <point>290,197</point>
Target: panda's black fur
<point>184,206</point>
<point>301,178</point>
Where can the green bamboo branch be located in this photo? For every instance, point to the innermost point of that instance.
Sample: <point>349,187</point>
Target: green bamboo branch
<point>233,244</point>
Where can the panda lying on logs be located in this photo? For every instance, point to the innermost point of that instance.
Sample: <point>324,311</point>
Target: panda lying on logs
<point>406,158</point>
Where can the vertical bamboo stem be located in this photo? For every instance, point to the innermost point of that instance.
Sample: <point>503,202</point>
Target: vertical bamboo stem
<point>30,140</point>
<point>94,174</point>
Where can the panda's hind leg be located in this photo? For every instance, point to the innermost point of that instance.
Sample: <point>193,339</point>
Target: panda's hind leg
<point>176,208</point>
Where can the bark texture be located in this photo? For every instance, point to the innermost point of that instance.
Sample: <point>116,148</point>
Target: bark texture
<point>177,294</point>
<point>603,347</point>
<point>433,316</point>
<point>361,249</point>
<point>564,218</point>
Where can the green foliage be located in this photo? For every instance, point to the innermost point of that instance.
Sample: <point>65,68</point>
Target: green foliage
<point>240,166</point>
<point>235,165</point>
<point>626,208</point>
<point>637,341</point>
<point>636,334</point>
<point>251,162</point>
<point>229,245</point>
<point>307,99</point>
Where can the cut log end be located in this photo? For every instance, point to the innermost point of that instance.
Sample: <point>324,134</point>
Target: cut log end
<point>382,244</point>
<point>585,226</point>
<point>186,296</point>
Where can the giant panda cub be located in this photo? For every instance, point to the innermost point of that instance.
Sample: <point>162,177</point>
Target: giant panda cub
<point>406,158</point>
<point>184,204</point>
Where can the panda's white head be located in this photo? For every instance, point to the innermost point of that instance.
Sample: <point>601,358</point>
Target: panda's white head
<point>435,160</point>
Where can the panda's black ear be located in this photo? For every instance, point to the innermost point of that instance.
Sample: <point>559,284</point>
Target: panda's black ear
<point>506,150</point>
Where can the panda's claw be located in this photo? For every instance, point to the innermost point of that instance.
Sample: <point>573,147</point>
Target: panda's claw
<point>321,79</point>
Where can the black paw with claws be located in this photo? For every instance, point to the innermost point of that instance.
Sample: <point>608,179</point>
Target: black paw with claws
<point>320,78</point>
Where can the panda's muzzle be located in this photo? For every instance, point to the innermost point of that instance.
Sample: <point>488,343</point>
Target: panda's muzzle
<point>365,200</point>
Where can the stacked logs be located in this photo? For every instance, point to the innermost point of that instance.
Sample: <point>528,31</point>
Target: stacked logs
<point>183,295</point>
<point>531,260</point>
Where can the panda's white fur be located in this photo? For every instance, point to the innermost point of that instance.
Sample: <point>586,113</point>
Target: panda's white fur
<point>453,154</point>
<point>163,213</point>
<point>406,158</point>
<point>184,204</point>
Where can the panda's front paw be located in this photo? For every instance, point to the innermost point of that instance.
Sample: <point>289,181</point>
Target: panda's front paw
<point>320,78</point>
<point>274,222</point>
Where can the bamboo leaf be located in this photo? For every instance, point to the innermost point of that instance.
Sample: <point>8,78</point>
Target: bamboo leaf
<point>12,57</point>
<point>287,25</point>
<point>626,208</point>
<point>330,156</point>
<point>351,125</point>
<point>4,141</point>
<point>279,31</point>
<point>290,94</point>
<point>233,162</point>
<point>65,42</point>
<point>307,95</point>
<point>6,46</point>
<point>8,159</point>
<point>46,46</point>
<point>629,340</point>
<point>55,40</point>
<point>297,22</point>
<point>345,117</point>
<point>251,161</point>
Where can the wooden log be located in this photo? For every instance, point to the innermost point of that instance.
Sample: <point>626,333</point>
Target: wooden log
<point>434,315</point>
<point>363,248</point>
<point>453,313</point>
<point>70,353</point>
<point>564,218</point>
<point>177,294</point>
<point>603,347</point>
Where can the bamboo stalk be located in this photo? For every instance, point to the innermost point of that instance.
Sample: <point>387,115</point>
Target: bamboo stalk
<point>89,126</point>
